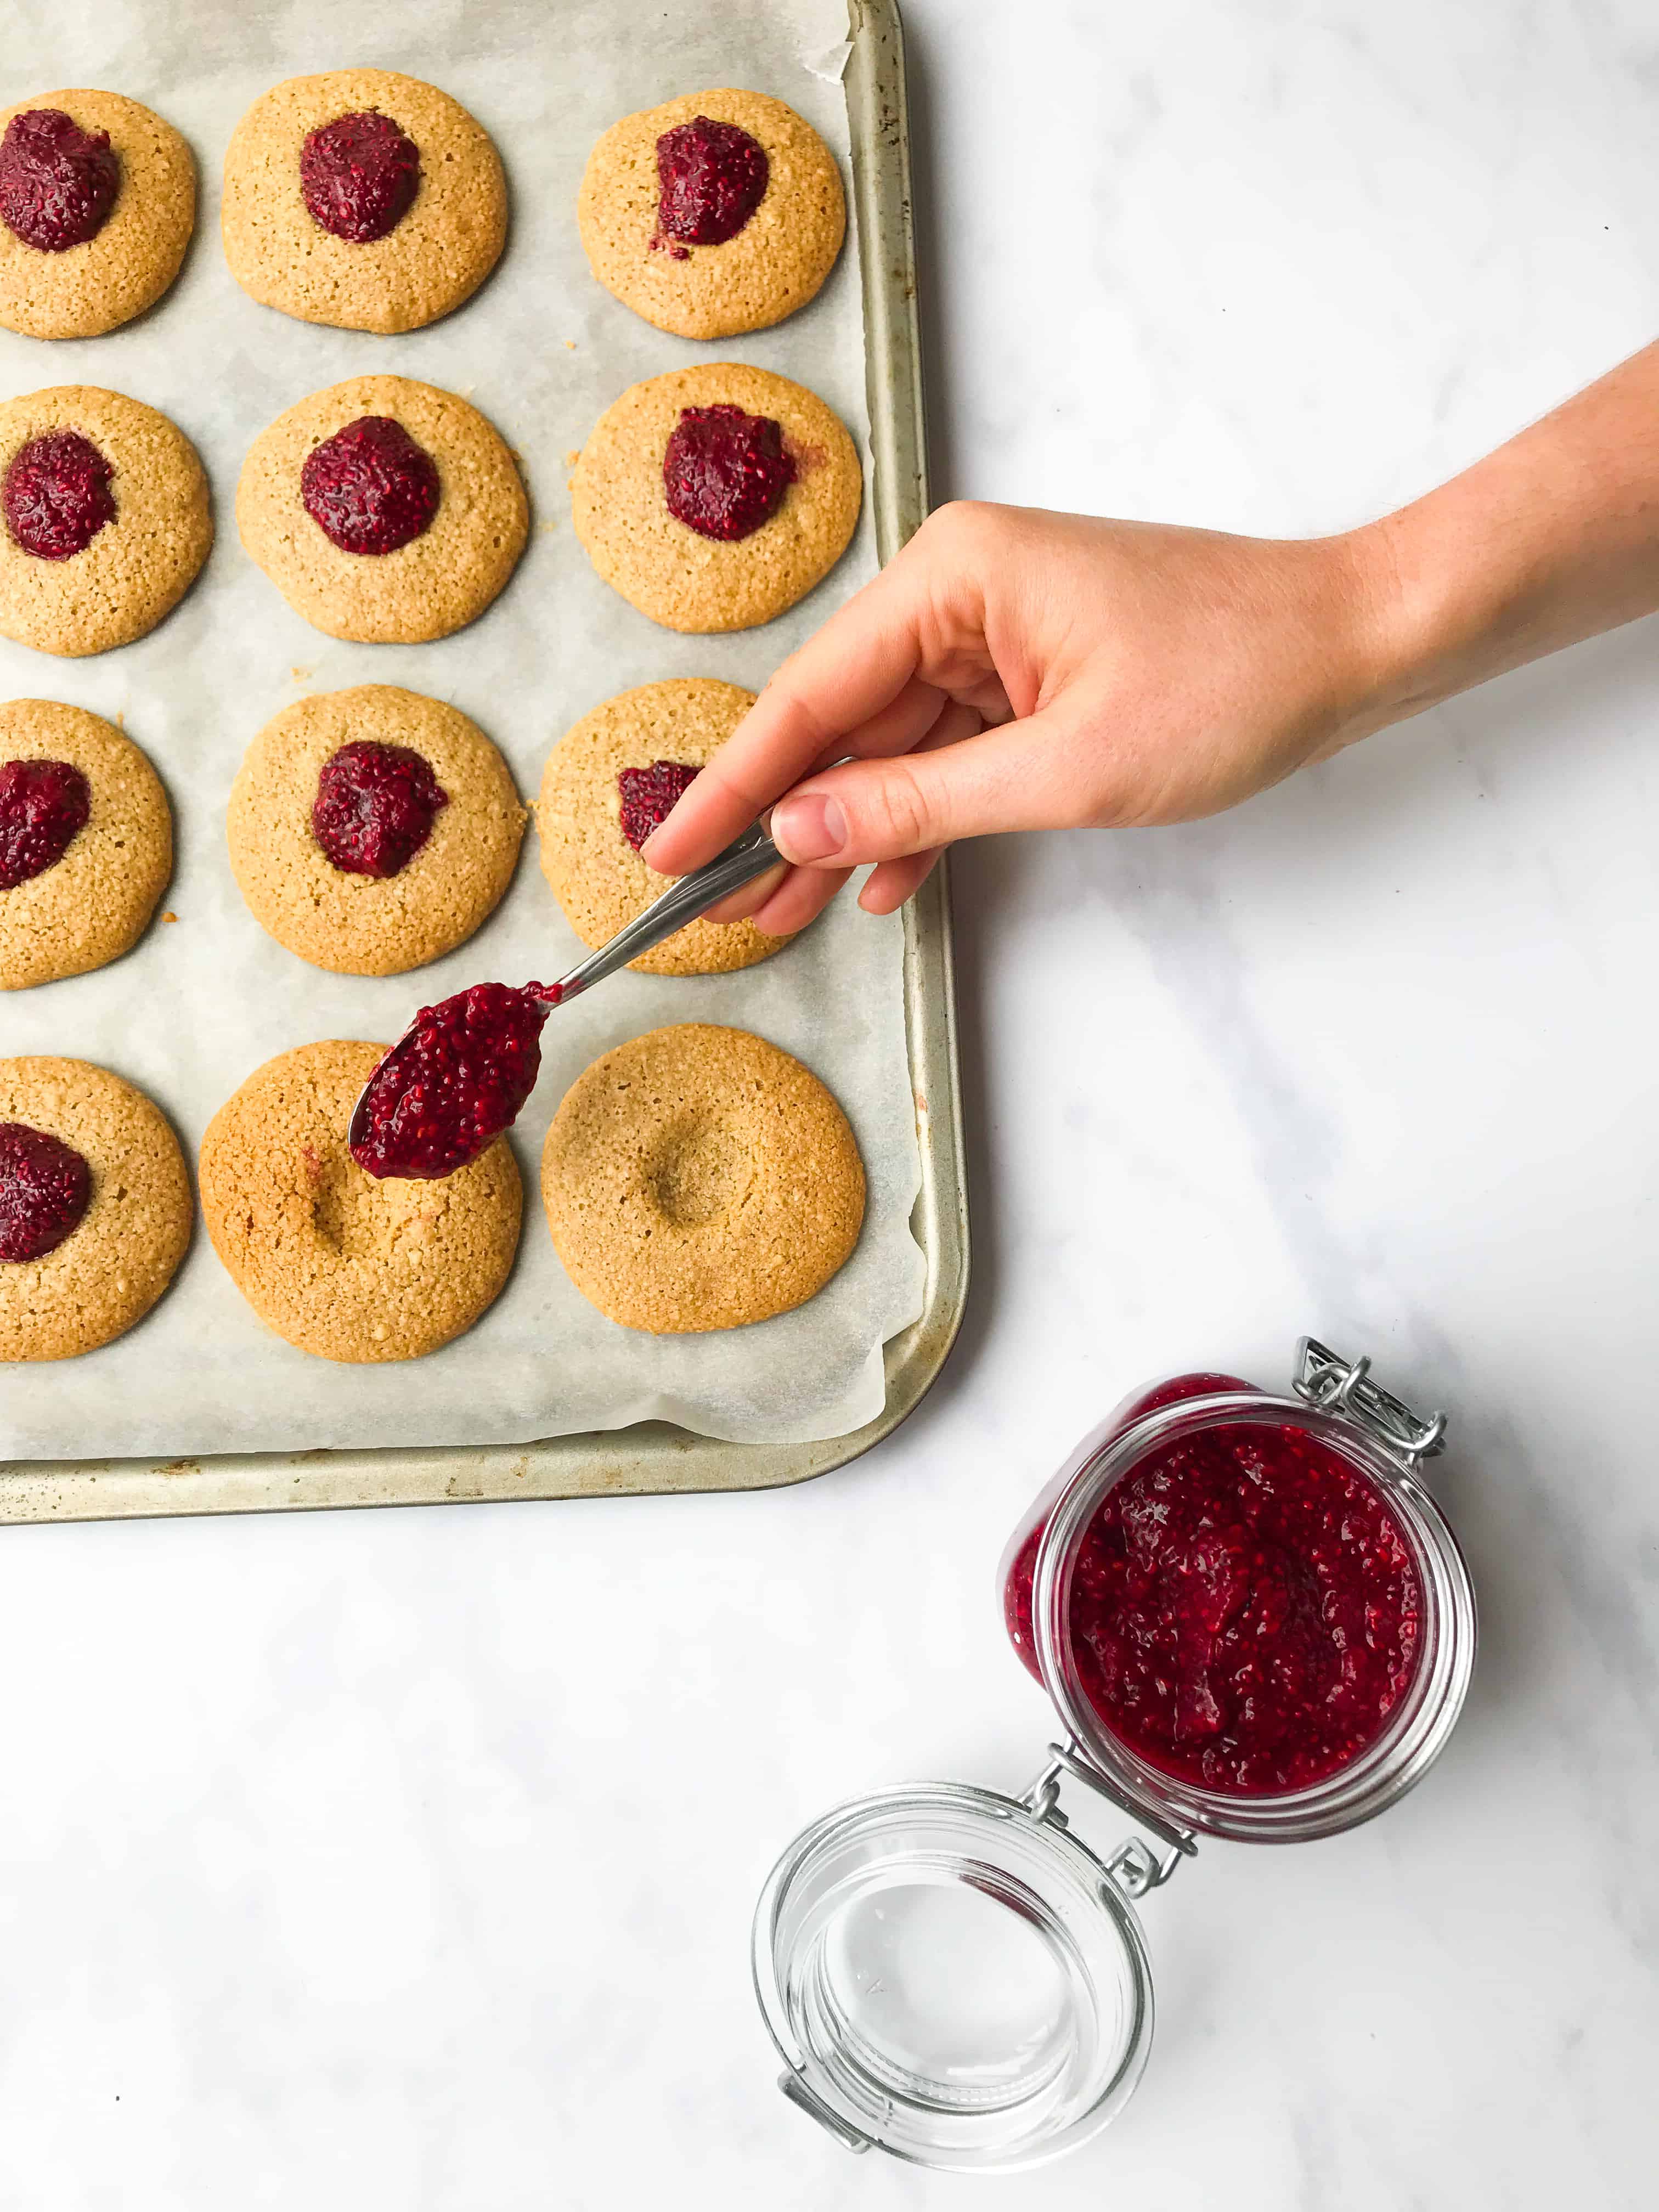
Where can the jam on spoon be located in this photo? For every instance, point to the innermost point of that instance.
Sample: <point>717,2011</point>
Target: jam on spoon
<point>454,1082</point>
<point>46,1187</point>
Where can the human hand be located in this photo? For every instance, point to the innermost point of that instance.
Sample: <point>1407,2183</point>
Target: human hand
<point>1012,669</point>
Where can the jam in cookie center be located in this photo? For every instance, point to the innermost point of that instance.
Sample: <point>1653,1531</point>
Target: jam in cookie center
<point>56,495</point>
<point>374,807</point>
<point>359,176</point>
<point>711,178</point>
<point>46,1187</point>
<point>725,471</point>
<point>58,182</point>
<point>650,794</point>
<point>370,488</point>
<point>43,806</point>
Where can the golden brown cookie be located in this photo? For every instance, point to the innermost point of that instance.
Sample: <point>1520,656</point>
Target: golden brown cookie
<point>399,238</point>
<point>679,574</point>
<point>111,1268</point>
<point>347,919</point>
<point>698,1178</point>
<point>434,581</point>
<point>94,902</point>
<point>671,224</point>
<point>596,874</point>
<point>342,1265</point>
<point>106,521</point>
<point>124,265</point>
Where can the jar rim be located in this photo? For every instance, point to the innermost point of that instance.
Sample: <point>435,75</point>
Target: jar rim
<point>1420,1724</point>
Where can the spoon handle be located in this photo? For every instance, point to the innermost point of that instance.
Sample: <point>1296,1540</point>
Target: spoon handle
<point>749,856</point>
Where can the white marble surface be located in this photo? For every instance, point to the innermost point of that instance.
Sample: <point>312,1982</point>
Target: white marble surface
<point>405,1860</point>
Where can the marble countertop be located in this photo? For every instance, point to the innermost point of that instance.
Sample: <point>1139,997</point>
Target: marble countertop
<point>405,1860</point>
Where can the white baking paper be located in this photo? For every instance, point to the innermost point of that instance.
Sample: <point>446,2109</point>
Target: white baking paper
<point>204,1001</point>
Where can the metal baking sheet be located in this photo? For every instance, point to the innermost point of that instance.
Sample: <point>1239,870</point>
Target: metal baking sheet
<point>655,1456</point>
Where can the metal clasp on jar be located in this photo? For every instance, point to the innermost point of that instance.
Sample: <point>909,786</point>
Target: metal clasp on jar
<point>1134,1865</point>
<point>1344,1387</point>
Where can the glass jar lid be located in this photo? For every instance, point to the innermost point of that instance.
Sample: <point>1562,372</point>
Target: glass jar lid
<point>950,1974</point>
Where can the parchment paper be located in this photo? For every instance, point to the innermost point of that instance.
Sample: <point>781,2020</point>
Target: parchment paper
<point>203,1001</point>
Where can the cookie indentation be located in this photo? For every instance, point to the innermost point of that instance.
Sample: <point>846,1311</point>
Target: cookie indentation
<point>44,807</point>
<point>725,470</point>
<point>45,1186</point>
<point>374,807</point>
<point>702,1174</point>
<point>58,182</point>
<point>370,488</point>
<point>56,495</point>
<point>711,178</point>
<point>359,175</point>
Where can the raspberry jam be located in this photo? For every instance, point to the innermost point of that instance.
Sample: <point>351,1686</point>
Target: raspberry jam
<point>374,807</point>
<point>725,471</point>
<point>649,796</point>
<point>711,178</point>
<point>1245,1608</point>
<point>454,1082</point>
<point>43,806</point>
<point>370,488</point>
<point>359,175</point>
<point>56,495</point>
<point>58,182</point>
<point>45,1189</point>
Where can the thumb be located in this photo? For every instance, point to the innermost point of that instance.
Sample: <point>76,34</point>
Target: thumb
<point>1014,777</point>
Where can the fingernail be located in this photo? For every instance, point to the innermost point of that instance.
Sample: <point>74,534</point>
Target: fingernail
<point>808,827</point>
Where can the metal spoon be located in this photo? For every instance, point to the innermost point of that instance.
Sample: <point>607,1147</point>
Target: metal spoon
<point>747,856</point>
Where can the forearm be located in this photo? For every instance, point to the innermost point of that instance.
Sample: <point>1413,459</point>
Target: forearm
<point>1553,538</point>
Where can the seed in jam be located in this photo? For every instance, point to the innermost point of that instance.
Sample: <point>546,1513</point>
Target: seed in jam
<point>451,1086</point>
<point>45,1189</point>
<point>58,182</point>
<point>374,807</point>
<point>711,178</point>
<point>725,471</point>
<point>359,175</point>
<point>56,495</point>
<point>649,796</point>
<point>43,806</point>
<point>370,488</point>
<point>1245,1612</point>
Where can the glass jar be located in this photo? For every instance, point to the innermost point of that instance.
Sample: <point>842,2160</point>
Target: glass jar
<point>950,1974</point>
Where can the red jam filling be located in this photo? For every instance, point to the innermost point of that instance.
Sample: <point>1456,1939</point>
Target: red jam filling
<point>359,175</point>
<point>58,182</point>
<point>370,489</point>
<point>1245,1611</point>
<point>56,495</point>
<point>374,807</point>
<point>43,806</point>
<point>649,796</point>
<point>725,472</point>
<point>45,1189</point>
<point>454,1082</point>
<point>711,177</point>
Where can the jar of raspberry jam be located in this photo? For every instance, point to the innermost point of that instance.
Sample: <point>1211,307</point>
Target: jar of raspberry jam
<point>1253,1623</point>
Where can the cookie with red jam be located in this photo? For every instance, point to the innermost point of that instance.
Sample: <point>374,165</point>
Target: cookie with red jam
<point>363,199</point>
<point>609,782</point>
<point>103,518</point>
<point>95,1208</point>
<point>714,498</point>
<point>716,213</point>
<point>385,512</point>
<point>373,829</point>
<point>97,205</point>
<point>86,842</point>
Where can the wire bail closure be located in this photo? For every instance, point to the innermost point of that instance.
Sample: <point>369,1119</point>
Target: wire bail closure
<point>1335,1385</point>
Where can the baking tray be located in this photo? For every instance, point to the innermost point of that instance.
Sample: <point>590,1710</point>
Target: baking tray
<point>655,1456</point>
